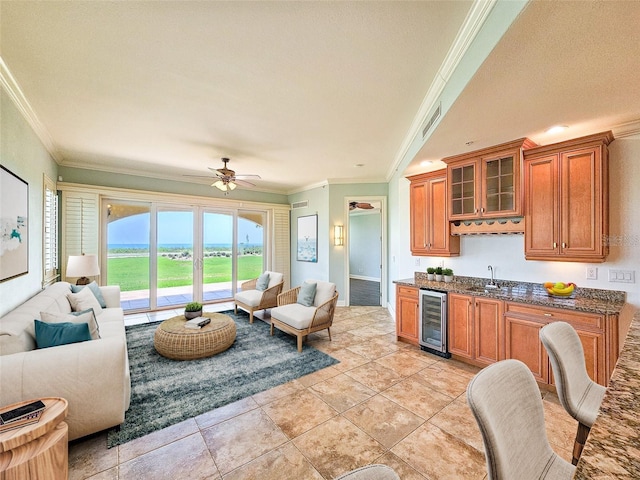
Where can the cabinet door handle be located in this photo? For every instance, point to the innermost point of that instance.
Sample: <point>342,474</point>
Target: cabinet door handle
<point>475,210</point>
<point>548,314</point>
<point>564,245</point>
<point>555,244</point>
<point>482,210</point>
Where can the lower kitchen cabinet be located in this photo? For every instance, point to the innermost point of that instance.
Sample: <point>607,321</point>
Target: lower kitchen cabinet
<point>476,328</point>
<point>522,342</point>
<point>522,328</point>
<point>407,305</point>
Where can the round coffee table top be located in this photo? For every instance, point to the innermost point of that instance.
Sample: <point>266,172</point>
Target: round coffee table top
<point>173,340</point>
<point>54,413</point>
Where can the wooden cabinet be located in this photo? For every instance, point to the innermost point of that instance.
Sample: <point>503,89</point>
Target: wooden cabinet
<point>407,305</point>
<point>486,183</point>
<point>475,328</point>
<point>430,234</point>
<point>522,330</point>
<point>460,325</point>
<point>566,200</point>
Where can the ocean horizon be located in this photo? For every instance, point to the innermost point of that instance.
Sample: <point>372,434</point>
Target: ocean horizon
<point>174,246</point>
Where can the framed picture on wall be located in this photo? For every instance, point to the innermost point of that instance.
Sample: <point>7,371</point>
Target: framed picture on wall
<point>14,225</point>
<point>308,238</point>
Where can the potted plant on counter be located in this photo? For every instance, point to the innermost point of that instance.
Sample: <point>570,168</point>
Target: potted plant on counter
<point>438,273</point>
<point>192,310</point>
<point>431,273</point>
<point>447,273</point>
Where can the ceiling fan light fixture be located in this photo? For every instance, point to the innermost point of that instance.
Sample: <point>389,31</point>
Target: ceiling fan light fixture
<point>231,186</point>
<point>220,185</point>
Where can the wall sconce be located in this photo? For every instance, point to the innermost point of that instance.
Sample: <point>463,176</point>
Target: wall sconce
<point>338,235</point>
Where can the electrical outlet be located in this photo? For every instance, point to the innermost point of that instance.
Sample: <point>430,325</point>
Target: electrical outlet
<point>417,262</point>
<point>592,273</point>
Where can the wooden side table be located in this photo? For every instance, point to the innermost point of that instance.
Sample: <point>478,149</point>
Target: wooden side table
<point>38,451</point>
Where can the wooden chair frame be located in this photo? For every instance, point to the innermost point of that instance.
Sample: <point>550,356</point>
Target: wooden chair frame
<point>322,317</point>
<point>269,298</point>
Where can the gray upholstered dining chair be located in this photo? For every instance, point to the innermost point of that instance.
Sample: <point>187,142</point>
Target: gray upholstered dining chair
<point>370,472</point>
<point>579,395</point>
<point>507,405</point>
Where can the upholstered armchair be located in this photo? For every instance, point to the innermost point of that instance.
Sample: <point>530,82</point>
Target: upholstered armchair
<point>305,309</point>
<point>259,294</point>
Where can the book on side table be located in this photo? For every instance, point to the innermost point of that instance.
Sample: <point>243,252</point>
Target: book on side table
<point>196,323</point>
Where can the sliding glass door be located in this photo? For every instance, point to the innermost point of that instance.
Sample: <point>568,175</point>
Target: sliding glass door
<point>128,240</point>
<point>197,253</point>
<point>174,257</point>
<point>217,255</point>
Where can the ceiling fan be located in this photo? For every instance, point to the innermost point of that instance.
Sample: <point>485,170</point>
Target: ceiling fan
<point>227,179</point>
<point>362,205</point>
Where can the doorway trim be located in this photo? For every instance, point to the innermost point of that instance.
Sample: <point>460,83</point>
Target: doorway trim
<point>383,244</point>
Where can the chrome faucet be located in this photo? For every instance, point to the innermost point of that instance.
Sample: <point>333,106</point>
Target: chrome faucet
<point>492,283</point>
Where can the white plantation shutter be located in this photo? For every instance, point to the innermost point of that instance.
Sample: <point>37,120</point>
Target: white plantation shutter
<point>50,232</point>
<point>280,253</point>
<point>80,224</point>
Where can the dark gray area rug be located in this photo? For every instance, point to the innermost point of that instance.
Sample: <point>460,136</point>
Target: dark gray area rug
<point>165,392</point>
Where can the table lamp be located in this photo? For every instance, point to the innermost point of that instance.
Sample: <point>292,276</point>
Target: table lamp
<point>83,266</point>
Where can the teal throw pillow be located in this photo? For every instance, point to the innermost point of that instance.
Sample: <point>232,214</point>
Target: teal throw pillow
<point>95,289</point>
<point>263,282</point>
<point>307,294</point>
<point>54,334</point>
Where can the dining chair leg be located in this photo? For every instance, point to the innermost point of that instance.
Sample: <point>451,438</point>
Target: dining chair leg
<point>329,332</point>
<point>581,438</point>
<point>299,343</point>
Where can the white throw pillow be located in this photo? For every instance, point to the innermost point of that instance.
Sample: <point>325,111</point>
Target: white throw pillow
<point>84,300</point>
<point>87,317</point>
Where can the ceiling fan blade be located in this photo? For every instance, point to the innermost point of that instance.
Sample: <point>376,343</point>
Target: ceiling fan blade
<point>365,206</point>
<point>244,183</point>
<point>258,177</point>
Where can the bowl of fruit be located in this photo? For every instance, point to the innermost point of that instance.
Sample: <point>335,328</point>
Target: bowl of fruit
<point>559,289</point>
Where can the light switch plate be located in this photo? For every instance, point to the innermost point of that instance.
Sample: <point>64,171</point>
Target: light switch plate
<point>622,276</point>
<point>592,273</point>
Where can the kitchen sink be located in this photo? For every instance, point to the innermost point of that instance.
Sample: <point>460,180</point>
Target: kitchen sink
<point>487,289</point>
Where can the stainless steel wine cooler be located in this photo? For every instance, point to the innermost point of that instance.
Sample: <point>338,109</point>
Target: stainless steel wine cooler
<point>432,323</point>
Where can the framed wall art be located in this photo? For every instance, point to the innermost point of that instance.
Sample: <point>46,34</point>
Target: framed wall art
<point>14,225</point>
<point>308,239</point>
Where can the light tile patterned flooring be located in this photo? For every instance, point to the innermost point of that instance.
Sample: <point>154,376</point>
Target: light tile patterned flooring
<point>386,402</point>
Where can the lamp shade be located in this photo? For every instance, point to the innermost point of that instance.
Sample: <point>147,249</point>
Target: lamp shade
<point>83,266</point>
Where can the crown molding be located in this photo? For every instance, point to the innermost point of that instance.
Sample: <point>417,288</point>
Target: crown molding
<point>629,129</point>
<point>10,85</point>
<point>472,24</point>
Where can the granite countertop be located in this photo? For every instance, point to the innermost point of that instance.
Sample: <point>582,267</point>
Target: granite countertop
<point>613,444</point>
<point>591,300</point>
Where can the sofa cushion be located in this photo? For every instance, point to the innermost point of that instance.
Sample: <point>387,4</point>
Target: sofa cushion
<point>250,298</point>
<point>84,300</point>
<point>324,292</point>
<point>95,289</point>
<point>274,278</point>
<point>263,282</point>
<point>55,334</point>
<point>307,293</point>
<point>86,316</point>
<point>295,315</point>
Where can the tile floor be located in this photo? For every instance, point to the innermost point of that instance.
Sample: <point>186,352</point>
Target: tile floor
<point>386,402</point>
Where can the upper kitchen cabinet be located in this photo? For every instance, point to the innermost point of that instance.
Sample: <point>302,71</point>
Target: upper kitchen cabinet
<point>567,200</point>
<point>486,183</point>
<point>430,230</point>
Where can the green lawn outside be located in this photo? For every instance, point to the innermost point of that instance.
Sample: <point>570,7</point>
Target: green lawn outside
<point>132,273</point>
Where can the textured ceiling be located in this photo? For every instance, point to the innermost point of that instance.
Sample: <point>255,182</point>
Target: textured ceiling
<point>296,92</point>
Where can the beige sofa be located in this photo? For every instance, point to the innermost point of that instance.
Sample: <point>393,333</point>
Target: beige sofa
<point>93,376</point>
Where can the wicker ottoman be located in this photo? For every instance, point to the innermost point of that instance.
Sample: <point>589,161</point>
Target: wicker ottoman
<point>173,340</point>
